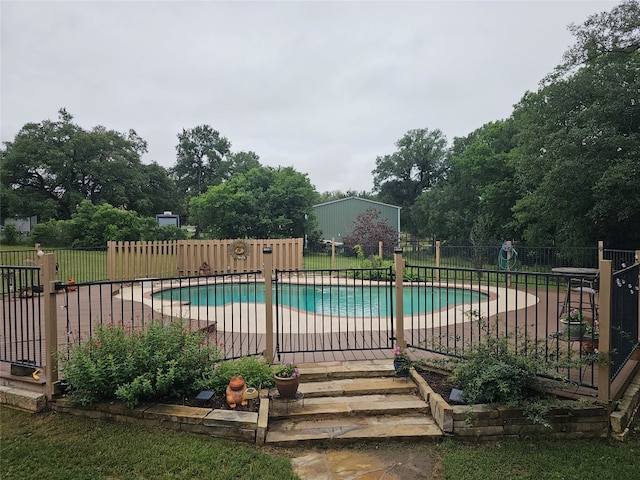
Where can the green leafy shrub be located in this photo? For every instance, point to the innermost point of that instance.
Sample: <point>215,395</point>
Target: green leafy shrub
<point>505,370</point>
<point>161,360</point>
<point>10,234</point>
<point>256,373</point>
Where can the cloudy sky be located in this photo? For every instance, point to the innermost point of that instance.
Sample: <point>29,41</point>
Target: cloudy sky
<point>325,87</point>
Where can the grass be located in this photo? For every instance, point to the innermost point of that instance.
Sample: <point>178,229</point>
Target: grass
<point>55,446</point>
<point>551,460</point>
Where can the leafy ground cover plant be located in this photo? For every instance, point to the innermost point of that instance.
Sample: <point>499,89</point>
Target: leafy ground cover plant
<point>255,372</point>
<point>159,360</point>
<point>505,370</point>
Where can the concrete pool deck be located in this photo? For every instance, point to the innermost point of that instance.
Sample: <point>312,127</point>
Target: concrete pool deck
<point>250,317</point>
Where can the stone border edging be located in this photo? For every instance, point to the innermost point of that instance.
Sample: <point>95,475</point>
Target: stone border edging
<point>482,422</point>
<point>236,425</point>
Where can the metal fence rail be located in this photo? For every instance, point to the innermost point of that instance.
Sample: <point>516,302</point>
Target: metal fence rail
<point>523,307</point>
<point>21,336</point>
<point>624,316</point>
<point>81,265</point>
<point>334,310</point>
<point>222,306</point>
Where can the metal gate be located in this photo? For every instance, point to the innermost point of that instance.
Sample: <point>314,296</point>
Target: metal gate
<point>334,310</point>
<point>21,338</point>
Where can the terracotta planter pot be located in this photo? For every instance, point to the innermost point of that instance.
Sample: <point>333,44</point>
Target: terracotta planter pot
<point>287,387</point>
<point>589,344</point>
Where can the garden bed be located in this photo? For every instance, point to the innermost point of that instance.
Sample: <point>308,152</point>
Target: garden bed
<point>566,419</point>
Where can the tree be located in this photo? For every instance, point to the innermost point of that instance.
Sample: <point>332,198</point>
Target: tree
<point>368,231</point>
<point>416,167</point>
<point>264,202</point>
<point>578,148</point>
<point>242,162</point>
<point>338,195</point>
<point>52,166</point>
<point>479,187</point>
<point>201,160</point>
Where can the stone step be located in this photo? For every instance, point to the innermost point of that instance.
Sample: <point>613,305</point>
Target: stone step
<point>408,426</point>
<point>346,369</point>
<point>328,407</point>
<point>355,386</point>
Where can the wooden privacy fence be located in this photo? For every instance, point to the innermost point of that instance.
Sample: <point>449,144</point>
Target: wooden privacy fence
<point>180,258</point>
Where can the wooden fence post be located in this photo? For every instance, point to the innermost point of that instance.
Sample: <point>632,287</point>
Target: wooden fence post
<point>399,263</point>
<point>600,251</point>
<point>268,303</point>
<point>50,323</point>
<point>604,319</point>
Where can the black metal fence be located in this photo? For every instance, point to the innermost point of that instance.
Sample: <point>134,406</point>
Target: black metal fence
<point>81,265</point>
<point>523,307</point>
<point>445,310</point>
<point>334,310</point>
<point>624,316</point>
<point>22,328</point>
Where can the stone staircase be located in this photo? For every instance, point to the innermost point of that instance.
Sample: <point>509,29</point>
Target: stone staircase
<point>350,401</point>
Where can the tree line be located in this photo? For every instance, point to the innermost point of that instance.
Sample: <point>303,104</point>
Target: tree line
<point>562,169</point>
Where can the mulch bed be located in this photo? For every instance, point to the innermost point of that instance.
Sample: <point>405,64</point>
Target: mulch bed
<point>437,381</point>
<point>217,401</point>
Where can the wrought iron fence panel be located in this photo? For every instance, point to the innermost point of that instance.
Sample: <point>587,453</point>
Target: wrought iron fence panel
<point>228,308</point>
<point>624,316</point>
<point>22,323</point>
<point>333,310</point>
<point>523,307</point>
<point>620,259</point>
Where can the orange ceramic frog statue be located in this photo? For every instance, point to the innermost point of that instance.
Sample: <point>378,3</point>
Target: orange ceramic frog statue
<point>235,392</point>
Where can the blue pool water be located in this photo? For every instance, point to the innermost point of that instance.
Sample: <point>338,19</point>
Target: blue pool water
<point>351,301</point>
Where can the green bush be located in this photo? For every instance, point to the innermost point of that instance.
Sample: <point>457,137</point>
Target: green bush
<point>505,370</point>
<point>256,373</point>
<point>493,373</point>
<point>10,234</point>
<point>159,361</point>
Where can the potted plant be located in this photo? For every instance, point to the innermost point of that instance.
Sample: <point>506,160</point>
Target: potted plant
<point>574,324</point>
<point>401,362</point>
<point>287,379</point>
<point>590,340</point>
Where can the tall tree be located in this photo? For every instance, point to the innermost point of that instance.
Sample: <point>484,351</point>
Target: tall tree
<point>479,189</point>
<point>338,194</point>
<point>242,162</point>
<point>50,167</point>
<point>265,202</point>
<point>417,165</point>
<point>579,143</point>
<point>201,160</point>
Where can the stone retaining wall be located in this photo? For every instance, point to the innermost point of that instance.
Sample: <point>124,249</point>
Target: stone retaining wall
<point>482,422</point>
<point>236,425</point>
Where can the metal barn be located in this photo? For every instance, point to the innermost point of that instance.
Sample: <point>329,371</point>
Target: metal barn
<point>335,218</point>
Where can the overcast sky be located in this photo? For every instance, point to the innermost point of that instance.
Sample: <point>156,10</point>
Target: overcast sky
<point>325,87</point>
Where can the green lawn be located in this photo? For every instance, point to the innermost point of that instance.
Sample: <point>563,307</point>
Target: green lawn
<point>549,460</point>
<point>53,446</point>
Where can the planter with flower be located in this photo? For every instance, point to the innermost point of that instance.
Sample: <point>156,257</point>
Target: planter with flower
<point>574,325</point>
<point>287,379</point>
<point>401,361</point>
<point>590,341</point>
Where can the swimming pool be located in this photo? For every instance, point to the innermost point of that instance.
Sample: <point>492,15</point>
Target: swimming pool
<point>339,300</point>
